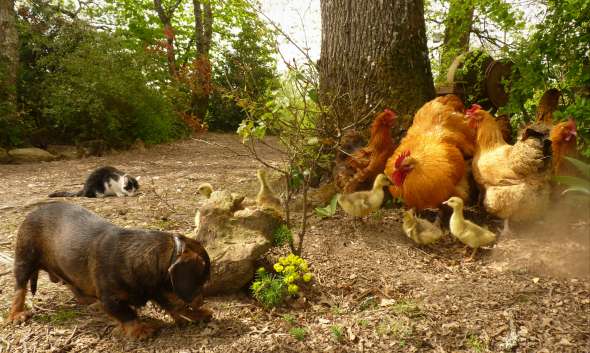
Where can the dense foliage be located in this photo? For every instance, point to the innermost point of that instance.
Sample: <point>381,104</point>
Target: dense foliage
<point>550,52</point>
<point>100,71</point>
<point>556,55</point>
<point>79,84</point>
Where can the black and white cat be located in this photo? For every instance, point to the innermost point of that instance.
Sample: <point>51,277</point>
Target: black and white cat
<point>104,181</point>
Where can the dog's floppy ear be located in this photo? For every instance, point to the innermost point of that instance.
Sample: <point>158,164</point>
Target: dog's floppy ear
<point>187,275</point>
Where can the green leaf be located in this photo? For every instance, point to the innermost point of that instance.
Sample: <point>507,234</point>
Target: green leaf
<point>313,95</point>
<point>584,168</point>
<point>577,190</point>
<point>574,182</point>
<point>329,210</point>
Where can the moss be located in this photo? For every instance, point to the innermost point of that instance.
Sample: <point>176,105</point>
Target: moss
<point>58,317</point>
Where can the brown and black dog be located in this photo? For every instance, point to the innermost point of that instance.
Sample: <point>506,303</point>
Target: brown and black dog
<point>121,268</point>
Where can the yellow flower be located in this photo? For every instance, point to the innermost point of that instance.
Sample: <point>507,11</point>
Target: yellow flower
<point>290,269</point>
<point>303,266</point>
<point>307,277</point>
<point>261,271</point>
<point>293,289</point>
<point>278,267</point>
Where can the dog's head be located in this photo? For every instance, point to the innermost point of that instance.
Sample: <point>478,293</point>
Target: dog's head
<point>190,268</point>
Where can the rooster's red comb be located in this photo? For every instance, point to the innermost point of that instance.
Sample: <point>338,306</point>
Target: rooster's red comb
<point>473,109</point>
<point>400,158</point>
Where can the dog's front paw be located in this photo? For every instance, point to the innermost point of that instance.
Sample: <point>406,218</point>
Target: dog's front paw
<point>139,330</point>
<point>19,316</point>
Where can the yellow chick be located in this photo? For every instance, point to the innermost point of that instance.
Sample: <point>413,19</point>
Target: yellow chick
<point>266,198</point>
<point>420,230</point>
<point>205,189</point>
<point>467,232</point>
<point>363,203</point>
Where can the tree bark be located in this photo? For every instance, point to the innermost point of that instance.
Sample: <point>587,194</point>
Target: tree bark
<point>166,19</point>
<point>374,55</point>
<point>458,26</point>
<point>201,91</point>
<point>9,59</point>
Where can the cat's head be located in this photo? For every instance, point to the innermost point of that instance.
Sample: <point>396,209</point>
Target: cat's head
<point>130,185</point>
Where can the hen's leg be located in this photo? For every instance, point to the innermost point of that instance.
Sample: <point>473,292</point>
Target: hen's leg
<point>506,231</point>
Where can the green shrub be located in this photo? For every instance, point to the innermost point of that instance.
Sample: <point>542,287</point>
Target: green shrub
<point>282,235</point>
<point>81,84</point>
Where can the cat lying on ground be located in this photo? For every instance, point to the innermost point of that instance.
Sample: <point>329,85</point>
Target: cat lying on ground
<point>104,181</point>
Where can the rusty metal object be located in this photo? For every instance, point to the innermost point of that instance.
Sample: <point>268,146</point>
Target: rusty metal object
<point>497,73</point>
<point>482,83</point>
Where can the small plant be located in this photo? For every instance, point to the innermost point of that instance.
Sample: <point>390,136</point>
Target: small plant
<point>476,344</point>
<point>363,322</point>
<point>369,303</point>
<point>407,308</point>
<point>329,210</point>
<point>288,318</point>
<point>336,310</point>
<point>337,333</point>
<point>268,289</point>
<point>398,329</point>
<point>298,333</point>
<point>282,235</point>
<point>271,289</point>
<point>377,216</point>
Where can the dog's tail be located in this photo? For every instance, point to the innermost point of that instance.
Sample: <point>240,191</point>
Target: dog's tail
<point>33,281</point>
<point>66,194</point>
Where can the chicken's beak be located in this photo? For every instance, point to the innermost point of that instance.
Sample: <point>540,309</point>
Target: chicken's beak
<point>446,203</point>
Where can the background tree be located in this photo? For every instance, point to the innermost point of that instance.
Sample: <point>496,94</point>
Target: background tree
<point>373,55</point>
<point>202,65</point>
<point>458,25</point>
<point>8,59</point>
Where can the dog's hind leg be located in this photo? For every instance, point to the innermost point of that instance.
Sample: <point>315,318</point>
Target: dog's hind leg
<point>23,273</point>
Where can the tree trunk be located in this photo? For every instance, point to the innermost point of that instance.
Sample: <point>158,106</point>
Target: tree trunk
<point>458,25</point>
<point>8,59</point>
<point>201,90</point>
<point>166,19</point>
<point>374,55</point>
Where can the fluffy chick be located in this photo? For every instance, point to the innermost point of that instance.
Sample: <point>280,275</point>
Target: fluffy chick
<point>266,197</point>
<point>420,230</point>
<point>205,189</point>
<point>363,203</point>
<point>467,232</point>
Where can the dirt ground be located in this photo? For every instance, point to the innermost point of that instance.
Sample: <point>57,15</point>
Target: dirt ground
<point>374,291</point>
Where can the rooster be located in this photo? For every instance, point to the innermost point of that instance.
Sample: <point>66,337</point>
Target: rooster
<point>515,178</point>
<point>428,167</point>
<point>360,168</point>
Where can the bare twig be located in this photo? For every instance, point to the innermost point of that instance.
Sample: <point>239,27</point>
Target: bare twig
<point>71,336</point>
<point>163,199</point>
<point>238,154</point>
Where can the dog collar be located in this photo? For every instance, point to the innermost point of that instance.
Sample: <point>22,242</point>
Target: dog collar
<point>178,249</point>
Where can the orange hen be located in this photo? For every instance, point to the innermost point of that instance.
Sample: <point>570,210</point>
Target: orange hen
<point>428,167</point>
<point>363,165</point>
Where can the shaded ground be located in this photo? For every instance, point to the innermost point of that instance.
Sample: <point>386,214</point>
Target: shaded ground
<point>374,290</point>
